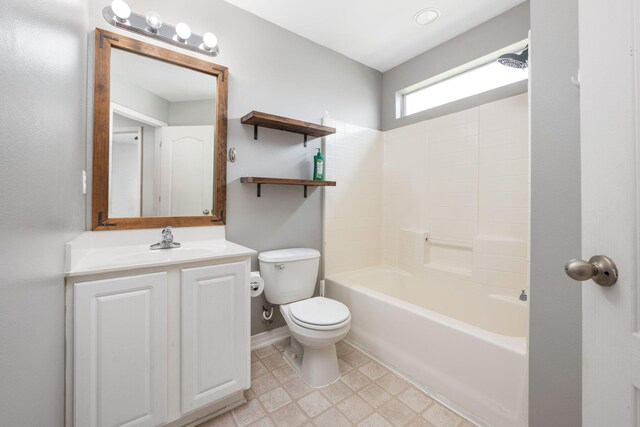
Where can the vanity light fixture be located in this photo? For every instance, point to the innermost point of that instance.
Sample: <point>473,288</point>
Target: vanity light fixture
<point>121,11</point>
<point>183,32</point>
<point>154,21</point>
<point>209,42</point>
<point>119,14</point>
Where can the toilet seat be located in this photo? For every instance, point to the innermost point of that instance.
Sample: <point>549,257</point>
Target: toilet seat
<point>320,313</point>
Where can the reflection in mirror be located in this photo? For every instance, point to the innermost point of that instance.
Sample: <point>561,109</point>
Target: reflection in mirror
<point>162,139</point>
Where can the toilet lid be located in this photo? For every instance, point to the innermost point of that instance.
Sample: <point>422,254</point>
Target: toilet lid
<point>319,311</point>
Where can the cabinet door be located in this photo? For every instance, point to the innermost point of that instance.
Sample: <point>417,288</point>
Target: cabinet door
<point>215,333</point>
<point>120,351</point>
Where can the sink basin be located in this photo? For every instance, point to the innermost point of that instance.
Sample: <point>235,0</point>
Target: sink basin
<point>165,255</point>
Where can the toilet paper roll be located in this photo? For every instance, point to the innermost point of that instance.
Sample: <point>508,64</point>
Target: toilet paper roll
<point>257,284</point>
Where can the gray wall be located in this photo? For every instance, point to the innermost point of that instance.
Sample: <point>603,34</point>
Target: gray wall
<point>555,366</point>
<point>497,33</point>
<point>275,71</point>
<point>42,125</point>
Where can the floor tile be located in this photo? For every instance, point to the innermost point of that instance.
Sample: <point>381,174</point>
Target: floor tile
<point>374,395</point>
<point>373,370</point>
<point>415,399</point>
<point>275,399</point>
<point>313,404</point>
<point>225,420</point>
<point>258,369</point>
<point>367,394</point>
<point>392,383</point>
<point>263,422</point>
<point>355,359</point>
<point>274,361</point>
<point>440,416</point>
<point>249,412</point>
<point>297,388</point>
<point>285,374</point>
<point>289,416</point>
<point>356,380</point>
<point>266,351</point>
<point>355,408</point>
<point>331,418</point>
<point>396,412</point>
<point>375,420</point>
<point>264,383</point>
<point>336,392</point>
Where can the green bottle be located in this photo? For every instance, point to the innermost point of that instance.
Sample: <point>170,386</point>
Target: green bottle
<point>318,166</point>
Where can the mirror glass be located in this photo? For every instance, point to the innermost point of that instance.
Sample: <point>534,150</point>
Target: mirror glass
<point>162,139</point>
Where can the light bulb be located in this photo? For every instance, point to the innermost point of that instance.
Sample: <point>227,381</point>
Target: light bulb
<point>154,21</point>
<point>183,32</point>
<point>121,10</point>
<point>209,41</point>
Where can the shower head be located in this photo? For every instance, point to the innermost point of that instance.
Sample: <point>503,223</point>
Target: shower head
<point>515,60</point>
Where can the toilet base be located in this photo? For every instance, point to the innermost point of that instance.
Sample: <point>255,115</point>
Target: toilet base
<point>317,366</point>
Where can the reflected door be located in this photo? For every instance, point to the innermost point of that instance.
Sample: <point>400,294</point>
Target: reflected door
<point>187,165</point>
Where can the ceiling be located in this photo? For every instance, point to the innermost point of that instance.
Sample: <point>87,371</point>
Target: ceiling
<point>377,33</point>
<point>168,81</point>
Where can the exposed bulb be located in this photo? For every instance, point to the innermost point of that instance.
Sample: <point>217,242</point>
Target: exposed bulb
<point>209,41</point>
<point>154,21</point>
<point>121,10</point>
<point>183,32</point>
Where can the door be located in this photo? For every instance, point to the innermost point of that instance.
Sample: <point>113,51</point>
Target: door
<point>120,351</point>
<point>187,171</point>
<point>215,333</point>
<point>125,180</point>
<point>609,123</point>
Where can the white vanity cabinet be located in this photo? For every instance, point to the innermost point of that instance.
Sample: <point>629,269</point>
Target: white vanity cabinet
<point>163,345</point>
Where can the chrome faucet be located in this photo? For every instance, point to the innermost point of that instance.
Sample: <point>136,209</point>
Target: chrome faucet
<point>167,240</point>
<point>523,295</point>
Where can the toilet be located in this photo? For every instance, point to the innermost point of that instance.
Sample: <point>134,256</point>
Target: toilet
<point>316,323</point>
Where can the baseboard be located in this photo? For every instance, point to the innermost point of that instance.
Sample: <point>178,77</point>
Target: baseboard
<point>269,337</point>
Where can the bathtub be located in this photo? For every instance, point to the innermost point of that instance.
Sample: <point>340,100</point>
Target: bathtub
<point>455,338</point>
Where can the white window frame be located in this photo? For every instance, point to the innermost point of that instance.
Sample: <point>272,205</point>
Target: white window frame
<point>454,72</point>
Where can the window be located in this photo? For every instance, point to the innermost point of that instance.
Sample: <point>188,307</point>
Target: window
<point>479,76</point>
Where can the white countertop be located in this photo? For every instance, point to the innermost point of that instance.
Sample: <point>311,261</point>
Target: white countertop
<point>106,251</point>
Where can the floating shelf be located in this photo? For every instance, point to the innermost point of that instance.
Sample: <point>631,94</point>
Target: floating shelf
<point>265,120</point>
<point>286,181</point>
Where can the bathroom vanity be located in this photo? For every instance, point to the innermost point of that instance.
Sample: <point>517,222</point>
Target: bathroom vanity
<point>155,337</point>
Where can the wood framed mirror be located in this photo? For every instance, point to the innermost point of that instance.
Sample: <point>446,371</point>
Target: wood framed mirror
<point>159,137</point>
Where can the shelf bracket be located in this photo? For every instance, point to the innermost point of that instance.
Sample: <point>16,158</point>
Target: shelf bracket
<point>259,188</point>
<point>305,191</point>
<point>305,144</point>
<point>255,134</point>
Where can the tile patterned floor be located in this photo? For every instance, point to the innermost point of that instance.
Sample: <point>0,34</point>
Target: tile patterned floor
<point>367,395</point>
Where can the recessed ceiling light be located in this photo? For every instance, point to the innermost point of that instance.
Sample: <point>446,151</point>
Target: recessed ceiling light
<point>426,16</point>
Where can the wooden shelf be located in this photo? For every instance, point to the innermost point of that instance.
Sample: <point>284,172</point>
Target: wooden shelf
<point>271,121</point>
<point>285,181</point>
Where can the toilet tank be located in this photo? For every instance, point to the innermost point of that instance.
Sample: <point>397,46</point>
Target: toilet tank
<point>289,274</point>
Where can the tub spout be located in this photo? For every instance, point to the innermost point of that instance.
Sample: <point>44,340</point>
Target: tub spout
<point>523,295</point>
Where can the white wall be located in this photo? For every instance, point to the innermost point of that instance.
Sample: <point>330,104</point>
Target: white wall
<point>42,125</point>
<point>276,71</point>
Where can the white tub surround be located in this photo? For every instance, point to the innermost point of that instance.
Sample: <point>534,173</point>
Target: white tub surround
<point>156,337</point>
<point>462,342</point>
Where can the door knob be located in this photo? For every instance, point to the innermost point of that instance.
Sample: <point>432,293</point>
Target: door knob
<point>600,268</point>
